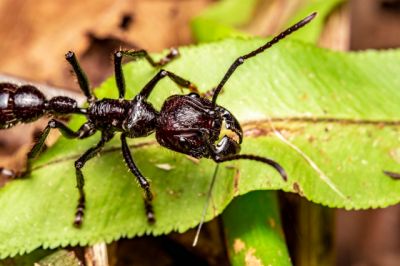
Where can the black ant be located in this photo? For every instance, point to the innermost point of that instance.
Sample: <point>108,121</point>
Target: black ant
<point>189,124</point>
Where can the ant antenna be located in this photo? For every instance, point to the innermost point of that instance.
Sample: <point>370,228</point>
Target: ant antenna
<point>240,60</point>
<point>203,216</point>
<point>260,159</point>
<point>392,174</point>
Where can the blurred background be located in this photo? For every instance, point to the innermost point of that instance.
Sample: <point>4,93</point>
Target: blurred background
<point>35,35</point>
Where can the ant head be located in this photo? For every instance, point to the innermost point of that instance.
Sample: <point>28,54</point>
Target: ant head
<point>190,124</point>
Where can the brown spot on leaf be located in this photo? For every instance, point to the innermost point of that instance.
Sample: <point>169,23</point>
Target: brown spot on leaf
<point>236,182</point>
<point>304,96</point>
<point>192,159</point>
<point>174,193</point>
<point>262,128</point>
<point>271,222</point>
<point>251,260</point>
<point>329,121</point>
<point>256,132</point>
<point>311,139</point>
<point>395,154</point>
<point>298,189</point>
<point>238,245</point>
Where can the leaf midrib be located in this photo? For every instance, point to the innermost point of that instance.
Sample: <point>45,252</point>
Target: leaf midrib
<point>247,127</point>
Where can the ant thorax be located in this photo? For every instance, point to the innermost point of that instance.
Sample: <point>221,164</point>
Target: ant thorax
<point>136,118</point>
<point>141,118</point>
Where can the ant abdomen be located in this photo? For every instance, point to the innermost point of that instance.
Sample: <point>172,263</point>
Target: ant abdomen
<point>24,104</point>
<point>20,104</point>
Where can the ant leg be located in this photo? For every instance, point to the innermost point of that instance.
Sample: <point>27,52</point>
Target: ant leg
<point>228,149</point>
<point>80,75</point>
<point>119,75</point>
<point>143,53</point>
<point>147,89</point>
<point>251,157</point>
<point>144,184</point>
<point>80,181</point>
<point>84,131</point>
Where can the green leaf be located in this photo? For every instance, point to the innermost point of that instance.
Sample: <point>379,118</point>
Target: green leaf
<point>27,259</point>
<point>341,110</point>
<point>255,237</point>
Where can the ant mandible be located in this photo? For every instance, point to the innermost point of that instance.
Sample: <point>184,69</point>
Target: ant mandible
<point>189,124</point>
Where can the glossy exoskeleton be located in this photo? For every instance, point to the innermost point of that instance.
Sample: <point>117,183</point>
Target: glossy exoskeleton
<point>189,124</point>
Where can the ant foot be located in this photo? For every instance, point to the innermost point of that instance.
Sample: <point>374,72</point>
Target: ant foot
<point>79,215</point>
<point>78,219</point>
<point>151,219</point>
